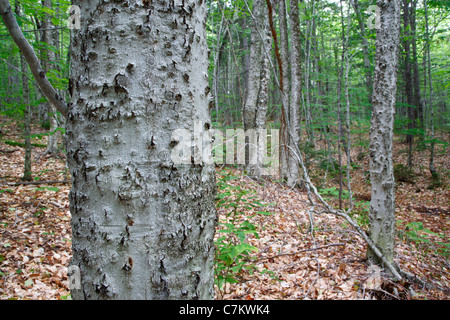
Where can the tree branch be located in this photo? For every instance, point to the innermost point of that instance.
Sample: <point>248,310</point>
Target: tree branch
<point>30,56</point>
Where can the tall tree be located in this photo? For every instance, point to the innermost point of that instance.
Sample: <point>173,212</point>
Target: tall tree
<point>143,223</point>
<point>256,104</point>
<point>288,159</point>
<point>27,173</point>
<point>365,47</point>
<point>296,88</point>
<point>382,205</point>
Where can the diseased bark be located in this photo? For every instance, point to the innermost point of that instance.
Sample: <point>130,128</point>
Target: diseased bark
<point>143,225</point>
<point>382,205</point>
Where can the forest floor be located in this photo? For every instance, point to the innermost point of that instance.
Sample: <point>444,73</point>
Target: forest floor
<point>290,262</point>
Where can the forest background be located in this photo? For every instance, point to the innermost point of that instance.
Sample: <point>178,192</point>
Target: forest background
<point>273,259</point>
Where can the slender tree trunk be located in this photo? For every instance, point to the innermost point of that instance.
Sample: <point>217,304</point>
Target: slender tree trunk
<point>289,167</point>
<point>143,224</point>
<point>382,205</point>
<point>365,47</point>
<point>417,97</point>
<point>255,108</point>
<point>51,38</point>
<point>27,172</point>
<point>407,75</point>
<point>431,167</point>
<point>296,90</point>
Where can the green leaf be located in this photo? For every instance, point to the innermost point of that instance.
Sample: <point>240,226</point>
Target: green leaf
<point>265,213</point>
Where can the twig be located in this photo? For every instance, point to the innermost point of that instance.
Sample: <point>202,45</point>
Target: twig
<point>25,183</point>
<point>300,251</point>
<point>8,151</point>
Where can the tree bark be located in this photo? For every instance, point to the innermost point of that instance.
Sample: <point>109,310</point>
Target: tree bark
<point>255,108</point>
<point>407,76</point>
<point>431,167</point>
<point>382,205</point>
<point>296,90</point>
<point>143,224</point>
<point>288,163</point>
<point>27,173</point>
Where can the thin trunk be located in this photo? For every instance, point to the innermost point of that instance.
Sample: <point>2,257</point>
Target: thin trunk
<point>418,112</point>
<point>365,47</point>
<point>408,80</point>
<point>432,169</point>
<point>296,89</point>
<point>27,173</point>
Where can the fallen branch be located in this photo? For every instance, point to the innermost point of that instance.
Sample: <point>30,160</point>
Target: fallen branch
<point>8,151</point>
<point>25,183</point>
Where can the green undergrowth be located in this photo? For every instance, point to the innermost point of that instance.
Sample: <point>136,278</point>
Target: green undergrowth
<point>233,250</point>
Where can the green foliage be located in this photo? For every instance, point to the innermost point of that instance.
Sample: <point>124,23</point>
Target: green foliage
<point>415,232</point>
<point>233,252</point>
<point>360,213</point>
<point>334,192</point>
<point>22,145</point>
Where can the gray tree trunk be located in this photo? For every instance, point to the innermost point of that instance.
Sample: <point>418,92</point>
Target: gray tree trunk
<point>143,225</point>
<point>382,205</point>
<point>256,104</point>
<point>27,173</point>
<point>288,160</point>
<point>296,91</point>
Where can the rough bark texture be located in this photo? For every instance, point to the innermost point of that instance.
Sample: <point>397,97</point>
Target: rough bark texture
<point>288,161</point>
<point>382,205</point>
<point>255,108</point>
<point>296,91</point>
<point>143,225</point>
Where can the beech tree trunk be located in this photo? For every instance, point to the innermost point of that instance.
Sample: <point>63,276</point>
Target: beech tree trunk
<point>382,205</point>
<point>143,224</point>
<point>255,107</point>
